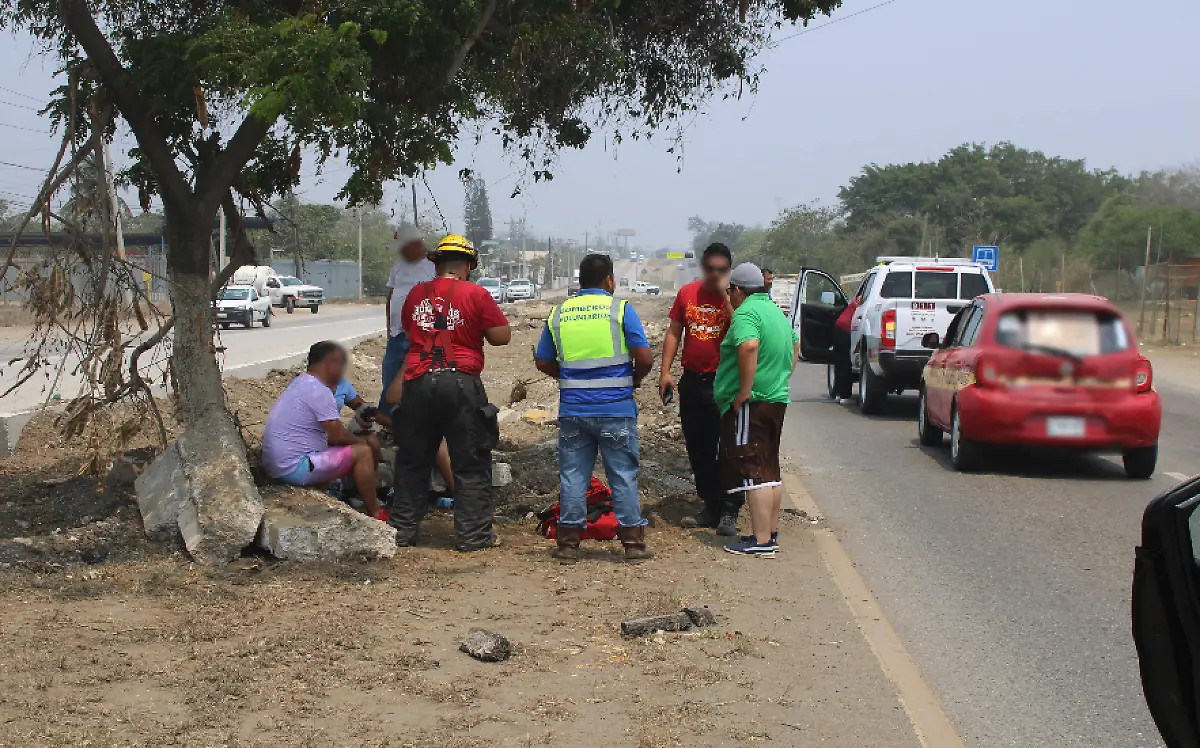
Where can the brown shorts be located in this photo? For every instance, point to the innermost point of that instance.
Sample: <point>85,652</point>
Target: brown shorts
<point>750,446</point>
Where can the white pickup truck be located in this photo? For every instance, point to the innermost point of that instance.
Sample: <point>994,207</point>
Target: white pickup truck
<point>899,301</point>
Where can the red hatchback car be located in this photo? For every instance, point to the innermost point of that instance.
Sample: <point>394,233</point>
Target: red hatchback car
<point>1040,370</point>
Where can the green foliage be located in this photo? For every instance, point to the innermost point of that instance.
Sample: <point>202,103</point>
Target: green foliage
<point>477,211</point>
<point>1116,235</point>
<point>705,233</point>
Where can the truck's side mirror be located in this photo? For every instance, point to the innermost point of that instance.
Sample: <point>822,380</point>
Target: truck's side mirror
<point>931,340</point>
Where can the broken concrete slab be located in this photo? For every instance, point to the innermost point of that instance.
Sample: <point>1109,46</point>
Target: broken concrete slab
<point>301,524</point>
<point>485,646</point>
<point>701,616</point>
<point>680,621</point>
<point>223,509</point>
<point>501,474</point>
<point>161,490</point>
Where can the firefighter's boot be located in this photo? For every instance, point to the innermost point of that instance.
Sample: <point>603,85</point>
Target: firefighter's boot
<point>567,551</point>
<point>634,540</point>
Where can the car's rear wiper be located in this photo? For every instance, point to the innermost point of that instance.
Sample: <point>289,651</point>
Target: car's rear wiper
<point>1052,351</point>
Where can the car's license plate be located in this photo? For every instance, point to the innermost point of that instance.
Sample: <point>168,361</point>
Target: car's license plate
<point>1064,427</point>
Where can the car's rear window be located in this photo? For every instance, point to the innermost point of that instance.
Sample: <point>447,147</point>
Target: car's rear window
<point>896,286</point>
<point>936,284</point>
<point>972,285</point>
<point>1078,332</point>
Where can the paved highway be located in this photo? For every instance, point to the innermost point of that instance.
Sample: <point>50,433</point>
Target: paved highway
<point>248,352</point>
<point>1009,587</point>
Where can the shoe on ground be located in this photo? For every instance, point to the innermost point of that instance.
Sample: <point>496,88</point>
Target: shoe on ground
<point>494,542</point>
<point>751,540</point>
<point>707,519</point>
<point>727,526</point>
<point>751,549</point>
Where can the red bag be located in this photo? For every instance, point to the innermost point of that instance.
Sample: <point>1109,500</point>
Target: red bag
<point>601,522</point>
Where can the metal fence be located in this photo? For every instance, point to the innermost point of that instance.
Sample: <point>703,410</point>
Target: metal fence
<point>1164,309</point>
<point>339,278</point>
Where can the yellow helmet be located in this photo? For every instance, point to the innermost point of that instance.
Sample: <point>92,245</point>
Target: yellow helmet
<point>452,245</point>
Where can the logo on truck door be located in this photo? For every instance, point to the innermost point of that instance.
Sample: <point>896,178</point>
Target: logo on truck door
<point>924,306</point>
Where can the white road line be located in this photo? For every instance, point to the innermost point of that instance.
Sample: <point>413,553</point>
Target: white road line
<point>1178,476</point>
<point>286,356</point>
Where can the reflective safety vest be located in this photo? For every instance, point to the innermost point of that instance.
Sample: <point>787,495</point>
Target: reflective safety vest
<point>588,332</point>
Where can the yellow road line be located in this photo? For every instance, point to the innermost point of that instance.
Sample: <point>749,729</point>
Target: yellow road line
<point>932,726</point>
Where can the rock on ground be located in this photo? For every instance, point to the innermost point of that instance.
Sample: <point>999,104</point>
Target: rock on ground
<point>161,491</point>
<point>301,524</point>
<point>680,621</point>
<point>486,646</point>
<point>501,474</point>
<point>701,616</point>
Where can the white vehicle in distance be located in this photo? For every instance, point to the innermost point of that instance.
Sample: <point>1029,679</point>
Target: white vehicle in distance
<point>495,288</point>
<point>242,305</point>
<point>901,300</point>
<point>520,289</point>
<point>646,287</point>
<point>290,292</point>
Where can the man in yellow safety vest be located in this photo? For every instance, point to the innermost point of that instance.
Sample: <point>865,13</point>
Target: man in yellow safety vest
<point>595,346</point>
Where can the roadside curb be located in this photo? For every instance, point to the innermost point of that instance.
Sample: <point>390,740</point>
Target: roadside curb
<point>931,724</point>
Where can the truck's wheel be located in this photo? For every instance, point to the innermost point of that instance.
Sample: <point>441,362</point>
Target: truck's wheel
<point>871,392</point>
<point>929,435</point>
<point>314,308</point>
<point>831,382</point>
<point>290,304</point>
<point>1140,463</point>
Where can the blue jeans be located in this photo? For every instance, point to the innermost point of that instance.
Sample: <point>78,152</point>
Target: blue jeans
<point>578,441</point>
<point>393,364</point>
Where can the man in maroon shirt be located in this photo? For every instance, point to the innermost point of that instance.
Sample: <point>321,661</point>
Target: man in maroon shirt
<point>700,318</point>
<point>441,397</point>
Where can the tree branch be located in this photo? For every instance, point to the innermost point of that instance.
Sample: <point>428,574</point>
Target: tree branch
<point>52,183</point>
<point>243,251</point>
<point>461,55</point>
<point>213,183</point>
<point>78,19</point>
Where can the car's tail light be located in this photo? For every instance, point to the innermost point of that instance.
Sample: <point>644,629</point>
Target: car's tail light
<point>888,339</point>
<point>986,372</point>
<point>1143,375</point>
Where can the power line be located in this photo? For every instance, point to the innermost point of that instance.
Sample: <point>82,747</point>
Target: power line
<point>21,106</point>
<point>20,166</point>
<point>811,29</point>
<point>26,129</point>
<point>22,95</point>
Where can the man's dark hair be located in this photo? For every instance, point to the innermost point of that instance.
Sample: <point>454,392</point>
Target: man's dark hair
<point>768,271</point>
<point>321,351</point>
<point>594,269</point>
<point>717,249</point>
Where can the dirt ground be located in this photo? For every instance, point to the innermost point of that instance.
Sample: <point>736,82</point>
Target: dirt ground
<point>109,639</point>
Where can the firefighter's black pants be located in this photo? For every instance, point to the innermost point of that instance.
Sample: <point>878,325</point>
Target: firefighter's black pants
<point>453,406</point>
<point>843,372</point>
<point>701,422</point>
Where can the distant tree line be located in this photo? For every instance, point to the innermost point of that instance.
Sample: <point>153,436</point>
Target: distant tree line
<point>1054,218</point>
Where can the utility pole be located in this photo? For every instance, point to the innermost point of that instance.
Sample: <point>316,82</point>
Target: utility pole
<point>1145,271</point>
<point>358,211</point>
<point>416,223</point>
<point>220,241</point>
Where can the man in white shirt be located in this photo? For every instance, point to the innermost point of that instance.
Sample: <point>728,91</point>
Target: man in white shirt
<point>410,268</point>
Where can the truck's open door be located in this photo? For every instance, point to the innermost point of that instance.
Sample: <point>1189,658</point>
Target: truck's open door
<point>818,303</point>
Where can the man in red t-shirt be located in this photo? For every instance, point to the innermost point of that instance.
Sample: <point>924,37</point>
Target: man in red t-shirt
<point>700,318</point>
<point>441,397</point>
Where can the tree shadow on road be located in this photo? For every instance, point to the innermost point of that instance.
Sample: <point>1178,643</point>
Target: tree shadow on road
<point>1046,464</point>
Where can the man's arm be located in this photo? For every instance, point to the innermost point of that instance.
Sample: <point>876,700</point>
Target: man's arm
<point>747,353</point>
<point>670,348</point>
<point>795,354</point>
<point>340,437</point>
<point>545,356</point>
<point>643,362</point>
<point>388,307</point>
<point>500,335</point>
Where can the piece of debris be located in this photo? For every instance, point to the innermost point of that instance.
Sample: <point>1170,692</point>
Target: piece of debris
<point>300,524</point>
<point>680,621</point>
<point>94,555</point>
<point>520,391</point>
<point>485,646</point>
<point>538,417</point>
<point>701,616</point>
<point>501,474</point>
<point>689,523</point>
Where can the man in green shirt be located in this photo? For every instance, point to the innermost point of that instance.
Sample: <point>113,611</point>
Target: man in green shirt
<point>751,390</point>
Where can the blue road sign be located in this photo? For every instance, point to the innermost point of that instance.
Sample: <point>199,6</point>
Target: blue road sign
<point>987,256</point>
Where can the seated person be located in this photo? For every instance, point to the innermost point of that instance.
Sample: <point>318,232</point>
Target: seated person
<point>347,396</point>
<point>305,443</point>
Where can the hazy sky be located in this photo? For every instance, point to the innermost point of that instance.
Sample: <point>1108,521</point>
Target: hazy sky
<point>1109,81</point>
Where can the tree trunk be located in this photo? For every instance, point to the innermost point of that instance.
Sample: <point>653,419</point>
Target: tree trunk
<point>222,509</point>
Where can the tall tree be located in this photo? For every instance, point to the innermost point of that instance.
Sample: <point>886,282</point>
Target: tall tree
<point>477,211</point>
<point>224,96</point>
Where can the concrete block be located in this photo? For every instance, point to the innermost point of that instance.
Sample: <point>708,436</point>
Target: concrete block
<point>644,626</point>
<point>11,425</point>
<point>501,474</point>
<point>701,616</point>
<point>162,489</point>
<point>300,524</point>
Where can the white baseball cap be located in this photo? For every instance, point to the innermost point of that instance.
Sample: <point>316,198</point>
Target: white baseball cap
<point>406,235</point>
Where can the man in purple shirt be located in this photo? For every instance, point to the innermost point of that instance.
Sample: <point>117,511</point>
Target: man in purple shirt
<point>305,443</point>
